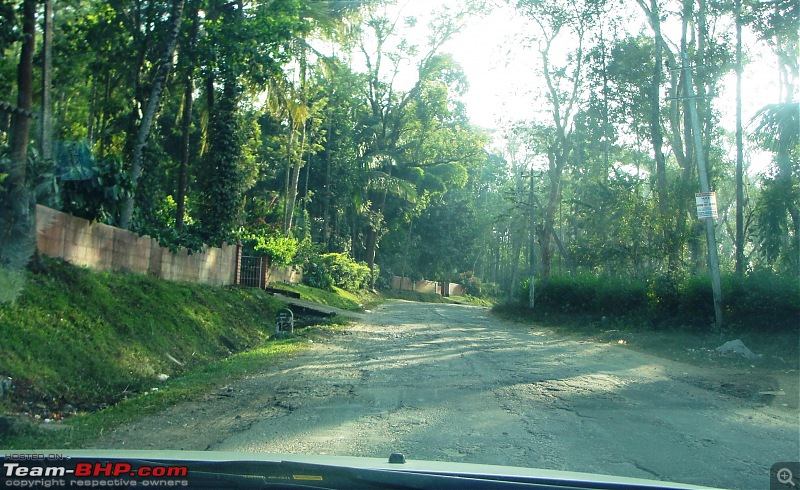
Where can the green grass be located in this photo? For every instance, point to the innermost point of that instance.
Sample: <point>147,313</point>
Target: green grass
<point>87,339</point>
<point>85,427</point>
<point>98,342</point>
<point>338,298</point>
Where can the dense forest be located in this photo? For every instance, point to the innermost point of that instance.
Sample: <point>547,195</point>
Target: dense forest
<point>284,124</point>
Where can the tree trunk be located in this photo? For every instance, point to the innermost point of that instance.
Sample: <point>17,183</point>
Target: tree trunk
<point>295,181</point>
<point>148,117</point>
<point>516,249</point>
<point>326,213</point>
<point>656,133</point>
<point>46,126</point>
<point>289,164</point>
<point>186,129</point>
<point>186,125</point>
<point>298,162</point>
<point>22,117</point>
<point>92,114</point>
<point>739,241</point>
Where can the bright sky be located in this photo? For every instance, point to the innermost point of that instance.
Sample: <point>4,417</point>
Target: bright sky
<point>501,71</point>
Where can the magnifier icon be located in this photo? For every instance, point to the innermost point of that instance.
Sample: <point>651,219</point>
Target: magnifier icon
<point>785,477</point>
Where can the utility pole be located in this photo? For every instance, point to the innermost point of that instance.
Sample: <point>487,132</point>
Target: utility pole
<point>713,259</point>
<point>531,247</point>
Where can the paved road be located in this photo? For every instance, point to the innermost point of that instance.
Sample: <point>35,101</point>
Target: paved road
<point>449,382</point>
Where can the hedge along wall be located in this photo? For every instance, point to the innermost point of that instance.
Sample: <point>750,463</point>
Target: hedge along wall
<point>102,247</point>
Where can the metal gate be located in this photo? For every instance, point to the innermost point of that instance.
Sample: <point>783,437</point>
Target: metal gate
<point>252,272</point>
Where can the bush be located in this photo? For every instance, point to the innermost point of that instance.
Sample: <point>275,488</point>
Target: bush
<point>759,301</point>
<point>336,269</point>
<point>620,296</point>
<point>346,272</point>
<point>762,300</point>
<point>587,294</point>
<point>280,249</point>
<point>491,290</point>
<point>471,283</point>
<point>664,296</point>
<point>316,274</point>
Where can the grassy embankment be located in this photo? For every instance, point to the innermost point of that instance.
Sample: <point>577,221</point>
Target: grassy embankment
<point>86,349</point>
<point>339,298</point>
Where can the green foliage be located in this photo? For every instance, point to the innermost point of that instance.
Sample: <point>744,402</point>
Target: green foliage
<point>763,300</point>
<point>85,338</point>
<point>99,196</point>
<point>17,232</point>
<point>777,240</point>
<point>222,178</point>
<point>759,301</point>
<point>280,249</point>
<point>346,272</point>
<point>9,31</point>
<point>336,269</point>
<point>11,284</point>
<point>316,274</point>
<point>589,294</point>
<point>160,224</point>
<point>472,284</point>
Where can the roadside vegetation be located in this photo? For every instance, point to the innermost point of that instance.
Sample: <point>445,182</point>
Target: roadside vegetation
<point>284,126</point>
<point>78,341</point>
<point>339,298</point>
<point>669,318</point>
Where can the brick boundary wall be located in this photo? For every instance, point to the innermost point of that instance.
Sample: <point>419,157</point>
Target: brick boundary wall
<point>102,247</point>
<point>424,286</point>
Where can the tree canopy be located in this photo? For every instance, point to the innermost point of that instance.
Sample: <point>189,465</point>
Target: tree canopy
<point>306,127</point>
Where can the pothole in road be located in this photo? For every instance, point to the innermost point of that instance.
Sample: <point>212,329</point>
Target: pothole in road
<point>592,388</point>
<point>749,386</point>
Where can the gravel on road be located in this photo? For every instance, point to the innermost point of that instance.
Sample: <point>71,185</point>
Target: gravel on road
<point>453,383</point>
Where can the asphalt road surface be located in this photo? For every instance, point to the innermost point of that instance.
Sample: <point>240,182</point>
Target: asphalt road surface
<point>452,383</point>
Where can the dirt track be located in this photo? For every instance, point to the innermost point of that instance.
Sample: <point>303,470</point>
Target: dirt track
<point>448,382</point>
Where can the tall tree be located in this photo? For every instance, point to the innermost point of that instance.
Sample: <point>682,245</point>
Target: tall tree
<point>389,116</point>
<point>571,20</point>
<point>46,126</point>
<point>148,116</point>
<point>189,56</point>
<point>22,117</point>
<point>739,239</point>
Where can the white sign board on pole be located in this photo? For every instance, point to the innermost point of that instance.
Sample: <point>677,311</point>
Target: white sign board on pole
<point>706,205</point>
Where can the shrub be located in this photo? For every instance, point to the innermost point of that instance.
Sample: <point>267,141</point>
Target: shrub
<point>346,272</point>
<point>280,249</point>
<point>664,296</point>
<point>763,300</point>
<point>620,296</point>
<point>588,294</point>
<point>316,274</point>
<point>336,269</point>
<point>471,283</point>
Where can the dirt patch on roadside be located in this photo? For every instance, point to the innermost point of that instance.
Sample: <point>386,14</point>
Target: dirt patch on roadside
<point>773,378</point>
<point>764,388</point>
